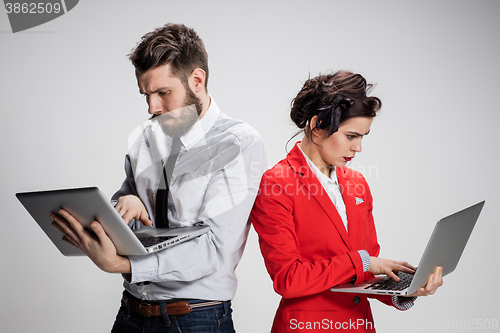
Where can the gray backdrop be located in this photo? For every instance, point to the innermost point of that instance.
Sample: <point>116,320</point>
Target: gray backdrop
<point>69,99</point>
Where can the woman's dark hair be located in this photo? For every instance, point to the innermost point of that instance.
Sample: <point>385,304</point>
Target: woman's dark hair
<point>173,44</point>
<point>320,96</point>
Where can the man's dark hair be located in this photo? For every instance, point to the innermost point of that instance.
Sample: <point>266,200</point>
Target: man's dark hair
<point>173,44</point>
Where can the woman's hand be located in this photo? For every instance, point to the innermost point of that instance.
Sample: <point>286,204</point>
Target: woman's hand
<point>435,281</point>
<point>130,207</point>
<point>389,267</point>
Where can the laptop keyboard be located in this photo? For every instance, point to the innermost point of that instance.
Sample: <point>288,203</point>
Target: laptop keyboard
<point>151,241</point>
<point>390,284</point>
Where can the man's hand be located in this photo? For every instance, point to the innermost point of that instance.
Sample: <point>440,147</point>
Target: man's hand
<point>99,248</point>
<point>389,267</point>
<point>130,207</point>
<point>435,281</point>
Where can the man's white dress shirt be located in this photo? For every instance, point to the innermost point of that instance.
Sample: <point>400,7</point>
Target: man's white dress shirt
<point>215,181</point>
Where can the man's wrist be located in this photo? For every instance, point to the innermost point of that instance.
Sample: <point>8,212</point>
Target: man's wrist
<point>125,267</point>
<point>120,265</point>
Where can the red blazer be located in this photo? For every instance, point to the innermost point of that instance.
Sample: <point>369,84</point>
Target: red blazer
<point>307,249</point>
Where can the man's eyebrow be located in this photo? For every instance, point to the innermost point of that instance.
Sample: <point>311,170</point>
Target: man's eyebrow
<point>154,91</point>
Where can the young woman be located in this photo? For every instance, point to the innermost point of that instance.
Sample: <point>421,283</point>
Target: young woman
<point>314,218</point>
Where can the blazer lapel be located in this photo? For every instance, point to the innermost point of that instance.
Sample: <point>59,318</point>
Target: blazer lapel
<point>298,164</point>
<point>346,187</point>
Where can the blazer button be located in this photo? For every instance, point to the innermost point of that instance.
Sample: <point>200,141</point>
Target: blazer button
<point>356,299</point>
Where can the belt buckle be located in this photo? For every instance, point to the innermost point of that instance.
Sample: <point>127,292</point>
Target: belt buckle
<point>141,305</point>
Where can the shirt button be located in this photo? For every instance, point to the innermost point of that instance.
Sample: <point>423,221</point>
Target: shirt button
<point>144,293</point>
<point>356,299</point>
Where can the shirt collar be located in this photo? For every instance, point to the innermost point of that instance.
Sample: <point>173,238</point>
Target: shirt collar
<point>202,126</point>
<point>324,179</point>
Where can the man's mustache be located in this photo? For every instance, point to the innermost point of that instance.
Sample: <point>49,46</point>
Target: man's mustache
<point>177,112</point>
<point>164,116</point>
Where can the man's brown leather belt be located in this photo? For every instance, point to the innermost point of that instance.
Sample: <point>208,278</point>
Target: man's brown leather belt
<point>173,309</point>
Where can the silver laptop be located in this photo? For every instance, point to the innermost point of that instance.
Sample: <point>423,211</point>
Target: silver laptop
<point>444,249</point>
<point>90,204</point>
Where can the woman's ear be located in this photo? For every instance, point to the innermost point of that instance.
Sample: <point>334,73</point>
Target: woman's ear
<point>312,126</point>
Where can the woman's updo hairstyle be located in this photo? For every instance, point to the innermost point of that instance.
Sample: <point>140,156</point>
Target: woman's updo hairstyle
<point>334,98</point>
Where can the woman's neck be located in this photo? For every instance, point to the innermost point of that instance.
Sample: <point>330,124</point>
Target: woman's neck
<point>312,151</point>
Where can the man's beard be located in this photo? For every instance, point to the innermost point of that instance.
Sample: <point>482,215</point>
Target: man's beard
<point>192,99</point>
<point>178,122</point>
